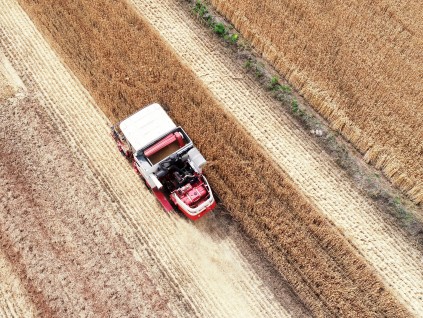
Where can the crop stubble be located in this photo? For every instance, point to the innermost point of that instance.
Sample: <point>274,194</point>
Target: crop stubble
<point>53,232</point>
<point>14,299</point>
<point>125,65</point>
<point>360,65</point>
<point>202,275</point>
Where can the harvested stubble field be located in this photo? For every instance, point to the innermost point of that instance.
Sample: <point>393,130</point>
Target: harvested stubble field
<point>125,64</point>
<point>65,268</point>
<point>75,218</point>
<point>359,64</point>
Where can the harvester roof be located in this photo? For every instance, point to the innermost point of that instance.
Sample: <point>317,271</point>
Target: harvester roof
<point>146,126</point>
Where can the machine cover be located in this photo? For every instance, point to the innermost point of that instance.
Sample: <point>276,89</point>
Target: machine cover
<point>146,125</point>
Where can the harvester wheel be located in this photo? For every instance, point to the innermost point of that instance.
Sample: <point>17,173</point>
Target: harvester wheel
<point>134,165</point>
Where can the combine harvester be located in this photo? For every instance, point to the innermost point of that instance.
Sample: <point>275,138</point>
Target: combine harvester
<point>166,158</point>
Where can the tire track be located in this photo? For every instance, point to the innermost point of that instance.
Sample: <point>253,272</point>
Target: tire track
<point>169,242</point>
<point>381,243</point>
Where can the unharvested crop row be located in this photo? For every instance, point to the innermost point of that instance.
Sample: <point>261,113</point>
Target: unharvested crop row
<point>360,65</point>
<point>126,65</point>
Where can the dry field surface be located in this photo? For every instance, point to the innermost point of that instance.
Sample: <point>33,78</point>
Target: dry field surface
<point>14,299</point>
<point>359,64</point>
<point>125,64</point>
<point>67,255</point>
<point>80,235</point>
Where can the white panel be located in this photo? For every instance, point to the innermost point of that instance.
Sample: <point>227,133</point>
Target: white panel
<point>146,125</point>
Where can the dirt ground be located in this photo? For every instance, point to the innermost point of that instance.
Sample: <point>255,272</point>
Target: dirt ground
<point>80,233</point>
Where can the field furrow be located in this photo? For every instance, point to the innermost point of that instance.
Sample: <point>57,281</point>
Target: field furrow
<point>381,243</point>
<point>204,273</point>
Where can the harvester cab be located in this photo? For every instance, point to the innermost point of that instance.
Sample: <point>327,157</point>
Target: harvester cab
<point>164,155</point>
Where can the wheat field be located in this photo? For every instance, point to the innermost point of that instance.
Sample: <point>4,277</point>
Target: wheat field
<point>125,65</point>
<point>360,65</point>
